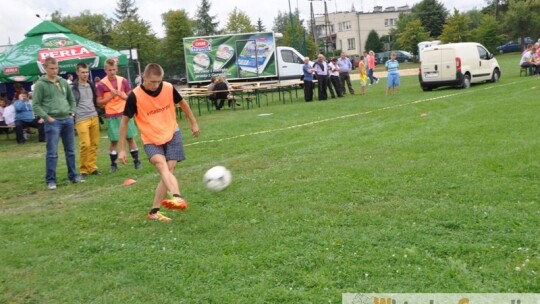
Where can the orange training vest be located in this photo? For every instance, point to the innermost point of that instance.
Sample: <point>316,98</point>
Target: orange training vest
<point>117,104</point>
<point>156,116</point>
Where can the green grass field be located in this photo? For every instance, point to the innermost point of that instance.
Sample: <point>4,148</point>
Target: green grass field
<point>360,194</point>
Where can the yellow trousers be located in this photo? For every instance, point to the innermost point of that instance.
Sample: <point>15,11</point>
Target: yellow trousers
<point>88,132</point>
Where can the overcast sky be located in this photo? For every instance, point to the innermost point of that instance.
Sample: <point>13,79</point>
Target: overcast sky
<point>19,16</point>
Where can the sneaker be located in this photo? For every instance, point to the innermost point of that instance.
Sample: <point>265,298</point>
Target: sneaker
<point>158,216</point>
<point>78,179</point>
<point>97,172</point>
<point>51,186</point>
<point>138,164</point>
<point>113,168</point>
<point>376,82</point>
<point>175,203</point>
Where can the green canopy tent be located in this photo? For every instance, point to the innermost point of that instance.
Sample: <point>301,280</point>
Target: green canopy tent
<point>24,61</point>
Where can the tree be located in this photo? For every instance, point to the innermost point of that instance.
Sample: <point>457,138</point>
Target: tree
<point>177,26</point>
<point>132,33</point>
<point>373,42</point>
<point>456,29</point>
<point>402,23</point>
<point>432,15</point>
<point>388,41</point>
<point>260,26</point>
<point>205,24</point>
<point>295,36</point>
<point>413,34</point>
<point>521,19</point>
<point>125,9</point>
<point>487,33</point>
<point>90,26</point>
<point>474,18</point>
<point>496,8</point>
<point>238,22</point>
<point>281,22</point>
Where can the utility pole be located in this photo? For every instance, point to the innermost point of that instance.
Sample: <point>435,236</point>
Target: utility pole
<point>326,26</point>
<point>313,23</point>
<point>293,40</point>
<point>328,38</point>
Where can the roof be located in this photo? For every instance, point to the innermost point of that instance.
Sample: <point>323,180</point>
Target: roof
<point>47,27</point>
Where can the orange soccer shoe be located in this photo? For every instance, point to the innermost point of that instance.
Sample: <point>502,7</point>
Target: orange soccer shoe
<point>177,203</point>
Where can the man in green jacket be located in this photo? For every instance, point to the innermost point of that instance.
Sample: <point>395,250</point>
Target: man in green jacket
<point>53,101</point>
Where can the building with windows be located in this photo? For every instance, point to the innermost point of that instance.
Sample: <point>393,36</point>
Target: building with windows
<point>348,31</point>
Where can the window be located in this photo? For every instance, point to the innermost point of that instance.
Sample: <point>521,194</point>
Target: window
<point>344,26</point>
<point>483,53</point>
<point>390,22</point>
<point>289,56</point>
<point>351,43</point>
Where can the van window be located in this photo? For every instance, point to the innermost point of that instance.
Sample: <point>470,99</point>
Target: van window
<point>291,57</point>
<point>482,52</point>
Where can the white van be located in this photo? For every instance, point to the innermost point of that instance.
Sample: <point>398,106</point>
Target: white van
<point>457,64</point>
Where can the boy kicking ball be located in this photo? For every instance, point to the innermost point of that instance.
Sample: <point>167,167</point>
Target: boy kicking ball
<point>392,66</point>
<point>153,106</point>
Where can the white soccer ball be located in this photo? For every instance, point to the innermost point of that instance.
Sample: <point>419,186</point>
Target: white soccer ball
<point>217,178</point>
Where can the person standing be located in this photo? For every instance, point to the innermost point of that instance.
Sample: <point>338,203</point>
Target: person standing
<point>321,68</point>
<point>345,66</point>
<point>86,120</point>
<point>371,68</point>
<point>363,75</point>
<point>334,77</point>
<point>53,101</point>
<point>392,66</point>
<point>153,106</point>
<point>112,93</point>
<point>24,118</point>
<point>308,80</point>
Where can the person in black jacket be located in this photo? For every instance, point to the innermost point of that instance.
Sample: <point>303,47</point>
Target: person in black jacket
<point>86,120</point>
<point>221,91</point>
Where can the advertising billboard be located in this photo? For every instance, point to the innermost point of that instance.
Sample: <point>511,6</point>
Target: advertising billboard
<point>237,56</point>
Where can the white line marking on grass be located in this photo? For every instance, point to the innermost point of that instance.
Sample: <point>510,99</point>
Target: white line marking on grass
<point>342,117</point>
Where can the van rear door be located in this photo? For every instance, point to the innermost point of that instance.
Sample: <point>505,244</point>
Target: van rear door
<point>438,64</point>
<point>448,64</point>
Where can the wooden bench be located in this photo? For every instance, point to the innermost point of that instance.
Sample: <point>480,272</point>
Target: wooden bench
<point>8,128</point>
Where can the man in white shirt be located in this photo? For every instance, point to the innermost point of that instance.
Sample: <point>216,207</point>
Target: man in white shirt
<point>334,78</point>
<point>9,115</point>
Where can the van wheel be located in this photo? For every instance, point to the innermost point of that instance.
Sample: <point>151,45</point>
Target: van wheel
<point>496,75</point>
<point>426,89</point>
<point>466,83</point>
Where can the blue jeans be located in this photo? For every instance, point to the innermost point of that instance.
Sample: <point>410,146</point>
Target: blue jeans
<point>372,78</point>
<point>60,128</point>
